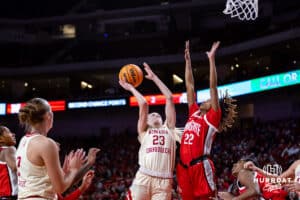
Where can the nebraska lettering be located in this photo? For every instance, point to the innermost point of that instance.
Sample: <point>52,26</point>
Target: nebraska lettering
<point>158,149</point>
<point>158,131</point>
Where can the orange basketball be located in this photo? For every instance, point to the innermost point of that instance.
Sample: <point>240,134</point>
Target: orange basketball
<point>131,74</point>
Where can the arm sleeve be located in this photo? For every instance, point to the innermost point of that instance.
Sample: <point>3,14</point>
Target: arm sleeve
<point>213,118</point>
<point>73,196</point>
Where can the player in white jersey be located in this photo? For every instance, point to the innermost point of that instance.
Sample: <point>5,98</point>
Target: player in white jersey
<point>40,175</point>
<point>154,178</point>
<point>8,169</point>
<point>294,171</point>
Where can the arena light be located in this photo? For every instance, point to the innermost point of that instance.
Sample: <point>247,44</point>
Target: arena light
<point>68,31</point>
<point>84,85</point>
<point>177,79</point>
<point>2,108</point>
<point>98,103</point>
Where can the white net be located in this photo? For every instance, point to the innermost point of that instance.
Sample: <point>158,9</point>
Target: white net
<point>243,9</point>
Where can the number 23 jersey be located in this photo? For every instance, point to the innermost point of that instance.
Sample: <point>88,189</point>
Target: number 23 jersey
<point>157,152</point>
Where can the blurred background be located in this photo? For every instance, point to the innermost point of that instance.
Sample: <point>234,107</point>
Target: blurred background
<point>72,51</point>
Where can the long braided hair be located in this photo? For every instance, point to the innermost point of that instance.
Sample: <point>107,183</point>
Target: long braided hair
<point>229,113</point>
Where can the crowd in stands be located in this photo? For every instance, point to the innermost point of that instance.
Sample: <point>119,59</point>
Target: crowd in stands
<point>270,142</point>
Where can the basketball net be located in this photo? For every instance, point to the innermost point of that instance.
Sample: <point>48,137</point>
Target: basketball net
<point>243,9</point>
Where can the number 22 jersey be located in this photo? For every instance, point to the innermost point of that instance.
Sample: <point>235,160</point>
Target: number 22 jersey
<point>199,133</point>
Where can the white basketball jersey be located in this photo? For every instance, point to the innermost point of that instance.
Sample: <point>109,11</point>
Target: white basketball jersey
<point>297,174</point>
<point>33,180</point>
<point>157,152</point>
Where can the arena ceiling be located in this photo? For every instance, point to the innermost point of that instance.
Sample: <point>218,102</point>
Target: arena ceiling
<point>39,48</point>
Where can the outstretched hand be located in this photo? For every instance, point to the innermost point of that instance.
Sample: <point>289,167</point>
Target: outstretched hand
<point>125,85</point>
<point>87,180</point>
<point>150,74</point>
<point>76,159</point>
<point>249,165</point>
<point>212,52</point>
<point>292,187</point>
<point>92,155</point>
<point>187,56</point>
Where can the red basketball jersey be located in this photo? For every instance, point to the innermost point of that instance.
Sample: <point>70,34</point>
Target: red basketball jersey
<point>8,183</point>
<point>267,189</point>
<point>199,133</point>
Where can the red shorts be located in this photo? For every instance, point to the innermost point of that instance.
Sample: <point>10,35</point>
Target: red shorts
<point>197,181</point>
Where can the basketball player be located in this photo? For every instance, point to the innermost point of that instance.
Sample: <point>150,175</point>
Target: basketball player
<point>8,169</point>
<point>292,173</point>
<point>86,182</point>
<point>40,175</point>
<point>294,186</point>
<point>253,185</point>
<point>154,178</point>
<point>86,179</point>
<point>195,171</point>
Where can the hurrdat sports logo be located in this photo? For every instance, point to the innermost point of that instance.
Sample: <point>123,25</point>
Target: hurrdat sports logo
<point>273,169</point>
<point>273,172</point>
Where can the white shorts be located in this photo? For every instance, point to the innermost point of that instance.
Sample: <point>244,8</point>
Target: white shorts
<point>145,187</point>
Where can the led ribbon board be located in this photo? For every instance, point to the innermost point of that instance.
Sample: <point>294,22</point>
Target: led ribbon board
<point>234,89</point>
<point>13,108</point>
<point>2,108</point>
<point>255,85</point>
<point>159,99</point>
<point>98,103</point>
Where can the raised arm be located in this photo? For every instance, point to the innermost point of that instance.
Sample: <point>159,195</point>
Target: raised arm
<point>170,108</point>
<point>213,76</point>
<point>252,166</point>
<point>49,154</point>
<point>189,79</point>
<point>91,159</point>
<point>143,106</point>
<point>10,158</point>
<point>246,178</point>
<point>290,172</point>
<point>86,182</point>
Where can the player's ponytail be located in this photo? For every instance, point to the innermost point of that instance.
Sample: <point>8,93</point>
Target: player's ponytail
<point>33,112</point>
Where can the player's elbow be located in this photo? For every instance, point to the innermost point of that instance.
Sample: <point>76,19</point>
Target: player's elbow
<point>59,188</point>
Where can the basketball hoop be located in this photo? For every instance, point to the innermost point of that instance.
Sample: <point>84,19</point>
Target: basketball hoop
<point>243,9</point>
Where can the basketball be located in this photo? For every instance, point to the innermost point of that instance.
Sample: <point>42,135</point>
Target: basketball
<point>131,74</point>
